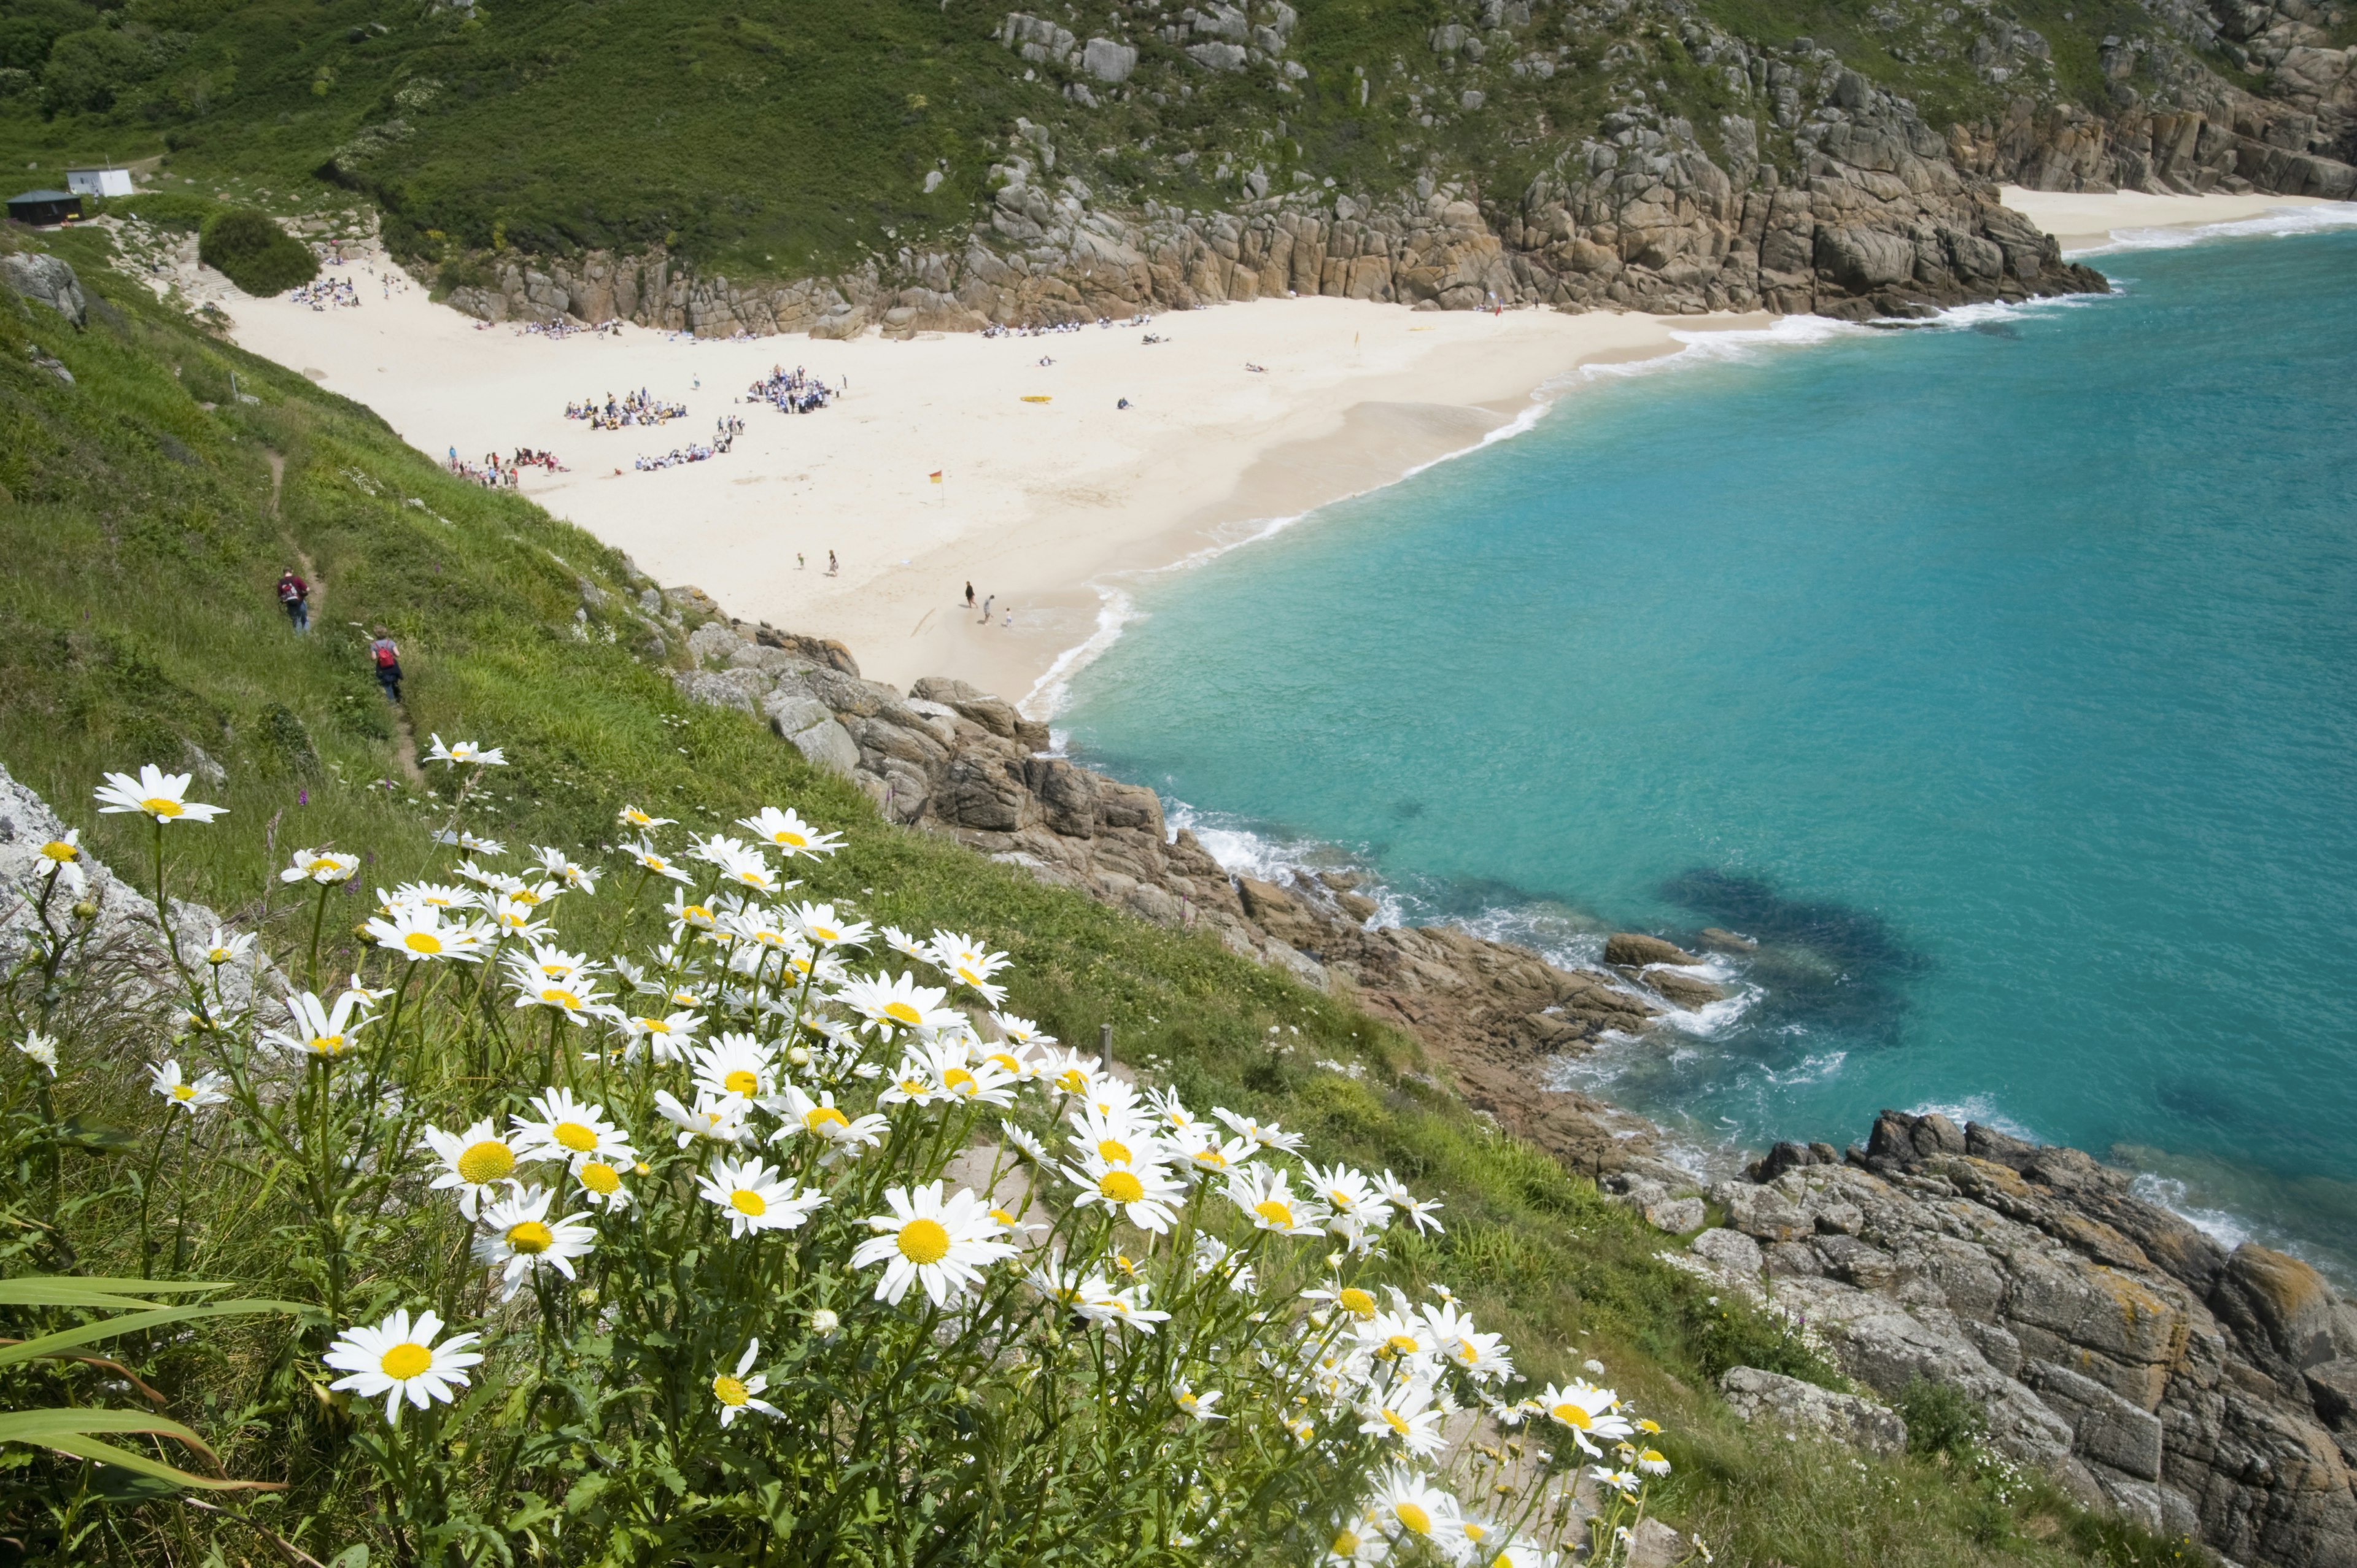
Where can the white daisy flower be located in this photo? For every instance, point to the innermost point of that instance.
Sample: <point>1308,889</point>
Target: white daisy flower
<point>181,1094</point>
<point>601,1184</point>
<point>736,1064</point>
<point>316,1029</point>
<point>1404,1411</point>
<point>907,946</point>
<point>740,1391</point>
<point>65,858</point>
<point>155,794</point>
<point>475,1162</point>
<point>1587,1411</point>
<point>226,947</point>
<point>754,1198</point>
<point>417,932</point>
<point>788,834</point>
<point>1265,1194</point>
<point>562,867</point>
<point>715,1118</point>
<point>1195,1403</point>
<point>1482,1356</point>
<point>653,859</point>
<point>42,1048</point>
<point>324,867</point>
<point>1028,1143</point>
<point>1125,1305</point>
<point>825,928</point>
<point>1652,1462</point>
<point>399,1359</point>
<point>1355,1541</point>
<point>898,1003</point>
<point>465,751</point>
<point>739,864</point>
<point>940,1243</point>
<point>574,1131</point>
<point>518,1237</point>
<point>1412,1506</point>
<point>1143,1194</point>
<point>845,1137</point>
<point>575,998</point>
<point>631,817</point>
<point>1269,1133</point>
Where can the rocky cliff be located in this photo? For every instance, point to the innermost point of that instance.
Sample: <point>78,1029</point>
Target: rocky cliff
<point>2199,1391</point>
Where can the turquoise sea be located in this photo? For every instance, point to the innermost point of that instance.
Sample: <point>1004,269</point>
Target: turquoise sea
<point>1998,676</point>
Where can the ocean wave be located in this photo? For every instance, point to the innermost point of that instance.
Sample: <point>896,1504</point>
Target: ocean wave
<point>2168,1192</point>
<point>1977,1108</point>
<point>2275,223</point>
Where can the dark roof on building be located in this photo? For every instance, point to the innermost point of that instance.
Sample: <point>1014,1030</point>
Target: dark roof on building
<point>44,195</point>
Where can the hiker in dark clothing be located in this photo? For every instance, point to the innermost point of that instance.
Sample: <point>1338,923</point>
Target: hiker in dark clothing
<point>294,597</point>
<point>388,665</point>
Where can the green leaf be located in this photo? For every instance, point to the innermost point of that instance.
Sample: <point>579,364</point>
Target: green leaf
<point>69,1431</point>
<point>75,1290</point>
<point>139,1464</point>
<point>66,1339</point>
<point>85,1132</point>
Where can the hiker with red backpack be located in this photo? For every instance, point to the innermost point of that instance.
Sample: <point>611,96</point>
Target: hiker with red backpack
<point>294,597</point>
<point>388,665</point>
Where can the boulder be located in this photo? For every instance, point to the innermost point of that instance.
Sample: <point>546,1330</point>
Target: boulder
<point>1684,990</point>
<point>1760,1396</point>
<point>1630,949</point>
<point>48,280</point>
<point>1730,1250</point>
<point>2281,1307</point>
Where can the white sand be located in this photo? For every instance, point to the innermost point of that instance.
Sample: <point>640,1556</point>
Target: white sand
<point>2083,220</point>
<point>1040,501</point>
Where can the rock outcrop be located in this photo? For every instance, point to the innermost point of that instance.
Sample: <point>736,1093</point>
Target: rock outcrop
<point>2113,1345</point>
<point>947,759</point>
<point>48,280</point>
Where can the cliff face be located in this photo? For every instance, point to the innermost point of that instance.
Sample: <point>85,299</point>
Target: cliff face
<point>2153,1372</point>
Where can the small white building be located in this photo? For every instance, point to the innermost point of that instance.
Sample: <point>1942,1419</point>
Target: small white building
<point>98,181</point>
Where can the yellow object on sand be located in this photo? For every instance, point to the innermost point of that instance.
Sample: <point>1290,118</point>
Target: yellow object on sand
<point>1036,397</point>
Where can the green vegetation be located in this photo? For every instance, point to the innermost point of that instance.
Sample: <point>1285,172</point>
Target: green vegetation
<point>144,521</point>
<point>255,253</point>
<point>782,138</point>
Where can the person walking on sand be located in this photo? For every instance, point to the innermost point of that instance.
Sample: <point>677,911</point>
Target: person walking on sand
<point>799,565</point>
<point>386,654</point>
<point>1009,621</point>
<point>969,595</point>
<point>986,608</point>
<point>294,598</point>
<point>833,565</point>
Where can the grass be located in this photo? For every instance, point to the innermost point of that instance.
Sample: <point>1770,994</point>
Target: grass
<point>136,624</point>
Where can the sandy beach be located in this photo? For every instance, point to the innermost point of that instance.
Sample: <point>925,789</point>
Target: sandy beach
<point>2083,220</point>
<point>1039,501</point>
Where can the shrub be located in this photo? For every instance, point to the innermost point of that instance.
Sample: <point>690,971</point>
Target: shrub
<point>255,253</point>
<point>167,210</point>
<point>1942,1419</point>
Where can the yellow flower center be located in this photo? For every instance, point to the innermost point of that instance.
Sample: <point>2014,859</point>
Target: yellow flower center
<point>924,1241</point>
<point>1474,1532</point>
<point>729,1391</point>
<point>61,850</point>
<point>327,1044</point>
<point>159,806</point>
<point>818,1118</point>
<point>902,1014</point>
<point>525,896</point>
<point>742,1082</point>
<point>1275,1213</point>
<point>1571,1415</point>
<point>1003,1218</point>
<point>405,1361</point>
<point>1114,1152</point>
<point>1346,1543</point>
<point>557,996</point>
<point>1343,1200</point>
<point>184,1091</point>
<point>1396,1422</point>
<point>421,941</point>
<point>601,1178</point>
<point>1651,1457</point>
<point>957,1077</point>
<point>1468,1352</point>
<point>530,1237</point>
<point>744,1200</point>
<point>1072,1081</point>
<point>790,840</point>
<point>1211,1156</point>
<point>1121,1186</point>
<point>573,1136</point>
<point>1354,1301</point>
<point>969,976</point>
<point>323,865</point>
<point>1002,1060</point>
<point>1400,1345</point>
<point>825,933</point>
<point>1414,1518</point>
<point>487,1162</point>
<point>695,914</point>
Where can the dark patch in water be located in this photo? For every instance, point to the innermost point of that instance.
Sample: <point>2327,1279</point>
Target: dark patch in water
<point>1826,967</point>
<point>1406,810</point>
<point>1997,329</point>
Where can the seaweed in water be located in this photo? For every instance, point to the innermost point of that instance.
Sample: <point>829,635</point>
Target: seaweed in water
<point>1827,967</point>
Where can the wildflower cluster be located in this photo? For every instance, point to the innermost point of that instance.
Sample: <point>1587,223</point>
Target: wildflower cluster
<point>763,1224</point>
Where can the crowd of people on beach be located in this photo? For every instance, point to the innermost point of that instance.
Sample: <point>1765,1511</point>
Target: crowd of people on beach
<point>793,392</point>
<point>641,407</point>
<point>494,473</point>
<point>327,294</point>
<point>997,330</point>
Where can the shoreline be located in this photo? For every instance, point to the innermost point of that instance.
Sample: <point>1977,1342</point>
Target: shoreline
<point>1039,502</point>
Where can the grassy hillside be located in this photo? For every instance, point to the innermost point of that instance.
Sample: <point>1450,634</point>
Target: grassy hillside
<point>772,138</point>
<point>144,522</point>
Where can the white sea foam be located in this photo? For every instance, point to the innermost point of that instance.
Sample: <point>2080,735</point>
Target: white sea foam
<point>1981,1108</point>
<point>2168,1192</point>
<point>2279,222</point>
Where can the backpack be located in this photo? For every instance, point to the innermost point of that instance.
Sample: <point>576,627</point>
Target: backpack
<point>287,592</point>
<point>386,656</point>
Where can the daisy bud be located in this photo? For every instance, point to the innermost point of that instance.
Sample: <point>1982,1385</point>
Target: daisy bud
<point>825,1323</point>
<point>85,910</point>
<point>799,1056</point>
